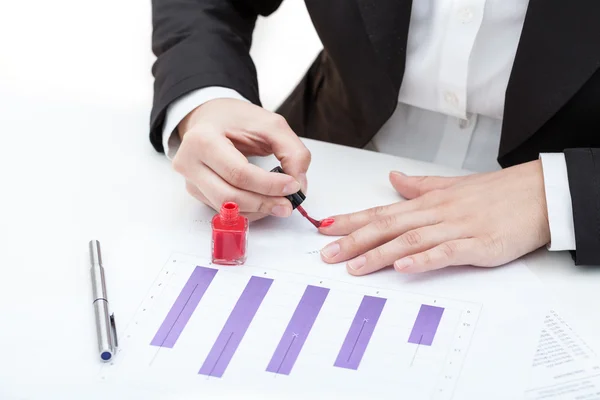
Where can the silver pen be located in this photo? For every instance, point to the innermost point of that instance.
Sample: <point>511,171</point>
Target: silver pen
<point>105,321</point>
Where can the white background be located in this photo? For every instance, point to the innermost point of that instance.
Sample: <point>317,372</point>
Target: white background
<point>76,164</point>
<point>102,50</point>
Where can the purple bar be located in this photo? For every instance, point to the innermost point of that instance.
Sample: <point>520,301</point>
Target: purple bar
<point>184,307</point>
<point>297,330</point>
<point>426,325</point>
<point>360,332</point>
<point>234,329</point>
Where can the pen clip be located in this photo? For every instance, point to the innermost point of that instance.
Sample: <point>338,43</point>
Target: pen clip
<point>113,330</point>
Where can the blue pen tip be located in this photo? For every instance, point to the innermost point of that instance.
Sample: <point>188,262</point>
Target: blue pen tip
<point>106,356</point>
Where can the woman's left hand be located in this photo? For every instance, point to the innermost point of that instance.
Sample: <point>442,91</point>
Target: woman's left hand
<point>483,220</point>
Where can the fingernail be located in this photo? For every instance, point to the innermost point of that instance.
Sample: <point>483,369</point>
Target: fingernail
<point>403,263</point>
<point>280,211</point>
<point>398,173</point>
<point>291,187</point>
<point>331,250</point>
<point>326,222</point>
<point>357,263</point>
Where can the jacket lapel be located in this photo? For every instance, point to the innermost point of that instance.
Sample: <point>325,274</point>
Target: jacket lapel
<point>376,31</point>
<point>386,24</point>
<point>558,52</point>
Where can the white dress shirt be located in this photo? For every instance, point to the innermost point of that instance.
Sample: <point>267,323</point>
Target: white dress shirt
<point>450,106</point>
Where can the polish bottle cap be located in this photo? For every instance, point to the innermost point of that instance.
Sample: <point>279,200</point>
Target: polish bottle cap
<point>296,198</point>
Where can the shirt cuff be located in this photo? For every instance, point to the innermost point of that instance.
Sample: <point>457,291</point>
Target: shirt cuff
<point>558,201</point>
<point>180,108</point>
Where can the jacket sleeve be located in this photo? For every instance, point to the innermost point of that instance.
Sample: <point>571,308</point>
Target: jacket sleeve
<point>583,168</point>
<point>201,43</point>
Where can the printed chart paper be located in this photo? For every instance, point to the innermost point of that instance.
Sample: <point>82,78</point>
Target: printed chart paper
<point>206,328</point>
<point>564,366</point>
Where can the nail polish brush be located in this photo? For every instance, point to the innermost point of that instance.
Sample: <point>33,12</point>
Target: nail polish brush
<point>296,199</point>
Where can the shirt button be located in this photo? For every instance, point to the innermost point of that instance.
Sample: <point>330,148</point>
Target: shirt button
<point>466,15</point>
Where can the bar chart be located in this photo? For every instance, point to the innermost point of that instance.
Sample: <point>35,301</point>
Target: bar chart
<point>360,332</point>
<point>249,326</point>
<point>428,319</point>
<point>183,308</point>
<point>238,322</point>
<point>297,331</point>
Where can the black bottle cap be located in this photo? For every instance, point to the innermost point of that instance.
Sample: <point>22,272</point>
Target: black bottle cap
<point>297,198</point>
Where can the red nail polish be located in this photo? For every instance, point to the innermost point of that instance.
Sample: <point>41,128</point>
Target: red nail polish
<point>327,222</point>
<point>296,199</point>
<point>229,236</point>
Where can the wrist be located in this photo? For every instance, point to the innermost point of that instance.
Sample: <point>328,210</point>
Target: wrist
<point>544,223</point>
<point>187,122</point>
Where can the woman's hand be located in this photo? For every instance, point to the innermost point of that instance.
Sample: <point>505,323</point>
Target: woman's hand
<point>216,139</point>
<point>483,220</point>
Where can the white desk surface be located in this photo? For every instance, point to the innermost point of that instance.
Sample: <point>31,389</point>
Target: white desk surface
<point>72,171</point>
<point>77,164</point>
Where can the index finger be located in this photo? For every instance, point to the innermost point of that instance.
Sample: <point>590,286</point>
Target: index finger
<point>229,163</point>
<point>287,147</point>
<point>345,224</point>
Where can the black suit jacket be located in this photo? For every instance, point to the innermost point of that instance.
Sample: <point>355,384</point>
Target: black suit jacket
<point>552,101</point>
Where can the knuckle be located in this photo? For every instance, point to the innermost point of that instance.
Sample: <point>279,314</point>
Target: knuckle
<point>432,197</point>
<point>198,142</point>
<point>278,121</point>
<point>421,184</point>
<point>448,250</point>
<point>411,238</point>
<point>377,212</point>
<point>190,188</point>
<point>238,177</point>
<point>386,223</point>
<point>199,138</point>
<point>264,206</point>
<point>349,242</point>
<point>179,165</point>
<point>305,155</point>
<point>437,214</point>
<point>425,258</point>
<point>417,180</point>
<point>377,253</point>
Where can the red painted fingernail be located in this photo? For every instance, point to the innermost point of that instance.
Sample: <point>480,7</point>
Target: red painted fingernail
<point>326,222</point>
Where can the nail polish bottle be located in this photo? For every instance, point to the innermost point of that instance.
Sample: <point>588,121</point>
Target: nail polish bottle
<point>229,236</point>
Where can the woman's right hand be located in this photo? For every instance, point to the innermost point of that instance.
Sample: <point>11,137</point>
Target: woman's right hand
<point>216,138</point>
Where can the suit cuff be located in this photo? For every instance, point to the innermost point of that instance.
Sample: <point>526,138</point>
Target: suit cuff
<point>180,108</point>
<point>558,201</point>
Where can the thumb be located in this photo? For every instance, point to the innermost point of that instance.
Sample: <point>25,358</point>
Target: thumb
<point>410,187</point>
<point>296,163</point>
